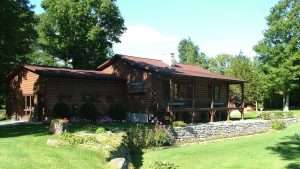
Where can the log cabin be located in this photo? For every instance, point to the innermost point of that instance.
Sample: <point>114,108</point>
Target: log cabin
<point>161,89</point>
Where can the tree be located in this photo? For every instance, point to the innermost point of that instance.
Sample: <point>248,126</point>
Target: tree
<point>220,63</point>
<point>17,34</point>
<point>242,67</point>
<point>279,50</point>
<point>80,31</point>
<point>189,53</point>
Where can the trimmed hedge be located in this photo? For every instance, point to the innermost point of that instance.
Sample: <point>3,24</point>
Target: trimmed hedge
<point>61,110</point>
<point>89,111</point>
<point>117,111</point>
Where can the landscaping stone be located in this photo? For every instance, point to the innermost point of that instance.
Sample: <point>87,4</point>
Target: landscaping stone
<point>224,129</point>
<point>57,126</point>
<point>55,142</point>
<point>119,163</point>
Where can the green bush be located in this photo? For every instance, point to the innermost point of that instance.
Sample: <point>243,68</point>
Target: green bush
<point>89,111</point>
<point>278,115</point>
<point>289,114</point>
<point>277,124</point>
<point>117,111</point>
<point>2,116</point>
<point>144,137</point>
<point>78,139</point>
<point>61,110</point>
<point>179,124</point>
<point>100,130</point>
<point>266,115</point>
<point>163,165</point>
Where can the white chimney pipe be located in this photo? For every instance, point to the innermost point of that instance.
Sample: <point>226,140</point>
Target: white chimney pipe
<point>169,59</point>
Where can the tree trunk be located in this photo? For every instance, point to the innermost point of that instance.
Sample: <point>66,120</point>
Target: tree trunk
<point>286,101</point>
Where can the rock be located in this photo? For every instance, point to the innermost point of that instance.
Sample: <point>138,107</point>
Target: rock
<point>57,126</point>
<point>119,163</point>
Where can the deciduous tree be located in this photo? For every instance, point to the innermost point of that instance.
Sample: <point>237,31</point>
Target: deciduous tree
<point>279,50</point>
<point>17,34</point>
<point>190,53</point>
<point>80,31</point>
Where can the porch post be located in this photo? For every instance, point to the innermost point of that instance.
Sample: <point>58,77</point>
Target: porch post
<point>227,95</point>
<point>212,94</point>
<point>193,101</point>
<point>212,114</point>
<point>242,101</point>
<point>171,99</point>
<point>228,114</point>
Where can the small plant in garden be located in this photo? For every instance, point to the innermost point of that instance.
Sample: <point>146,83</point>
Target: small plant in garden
<point>89,111</point>
<point>289,114</point>
<point>179,124</point>
<point>163,165</point>
<point>100,130</point>
<point>78,139</point>
<point>144,137</point>
<point>117,111</point>
<point>266,115</point>
<point>277,124</point>
<point>278,115</point>
<point>61,110</point>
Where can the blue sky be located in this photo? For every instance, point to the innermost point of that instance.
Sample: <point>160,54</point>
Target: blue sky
<point>155,27</point>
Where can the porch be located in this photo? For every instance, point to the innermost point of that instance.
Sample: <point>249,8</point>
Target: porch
<point>215,105</point>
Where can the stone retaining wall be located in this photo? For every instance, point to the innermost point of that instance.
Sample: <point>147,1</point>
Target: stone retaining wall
<point>223,129</point>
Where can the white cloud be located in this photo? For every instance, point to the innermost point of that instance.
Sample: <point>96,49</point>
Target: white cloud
<point>145,41</point>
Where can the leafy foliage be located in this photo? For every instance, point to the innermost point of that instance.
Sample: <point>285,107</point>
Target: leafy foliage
<point>220,64</point>
<point>279,50</point>
<point>78,139</point>
<point>80,31</point>
<point>277,124</point>
<point>89,111</point>
<point>179,124</point>
<point>17,34</point>
<point>189,53</point>
<point>61,110</point>
<point>144,137</point>
<point>117,111</point>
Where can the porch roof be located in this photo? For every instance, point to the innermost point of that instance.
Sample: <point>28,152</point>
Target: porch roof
<point>160,67</point>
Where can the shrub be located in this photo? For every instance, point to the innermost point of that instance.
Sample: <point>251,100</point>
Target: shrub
<point>277,124</point>
<point>266,115</point>
<point>100,130</point>
<point>117,111</point>
<point>278,115</point>
<point>144,137</point>
<point>2,116</point>
<point>163,165</point>
<point>179,124</point>
<point>289,114</point>
<point>78,139</point>
<point>61,110</point>
<point>89,111</point>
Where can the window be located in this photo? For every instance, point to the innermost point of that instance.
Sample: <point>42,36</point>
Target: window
<point>137,87</point>
<point>216,92</point>
<point>28,102</point>
<point>176,90</point>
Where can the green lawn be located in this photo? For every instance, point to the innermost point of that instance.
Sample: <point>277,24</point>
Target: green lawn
<point>267,151</point>
<point>254,114</point>
<point>24,146</point>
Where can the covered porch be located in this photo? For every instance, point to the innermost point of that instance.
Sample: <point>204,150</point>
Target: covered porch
<point>201,99</point>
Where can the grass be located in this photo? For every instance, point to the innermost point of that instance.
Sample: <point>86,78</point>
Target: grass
<point>272,150</point>
<point>24,146</point>
<point>254,114</point>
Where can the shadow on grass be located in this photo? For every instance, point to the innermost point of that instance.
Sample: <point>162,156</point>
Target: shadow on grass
<point>23,129</point>
<point>288,149</point>
<point>137,158</point>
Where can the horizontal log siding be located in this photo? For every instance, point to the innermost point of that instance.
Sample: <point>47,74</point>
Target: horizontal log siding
<point>71,92</point>
<point>22,84</point>
<point>136,102</point>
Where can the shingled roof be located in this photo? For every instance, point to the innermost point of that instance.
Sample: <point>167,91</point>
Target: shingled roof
<point>70,73</point>
<point>159,66</point>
